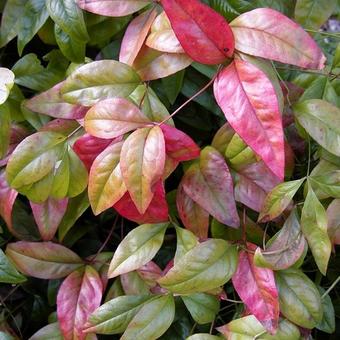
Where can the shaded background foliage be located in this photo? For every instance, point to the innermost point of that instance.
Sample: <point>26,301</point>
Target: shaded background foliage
<point>28,306</point>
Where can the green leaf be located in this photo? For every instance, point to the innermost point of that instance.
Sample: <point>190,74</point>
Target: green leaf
<point>33,18</point>
<point>186,240</point>
<point>313,13</point>
<point>207,266</point>
<point>327,324</point>
<point>203,336</point>
<point>44,260</point>
<point>6,83</point>
<point>172,85</point>
<point>114,316</point>
<point>278,199</point>
<point>49,332</point>
<point>328,183</point>
<point>67,15</point>
<point>99,80</point>
<point>249,328</point>
<point>72,49</point>
<point>76,207</point>
<point>133,284</point>
<point>296,289</point>
<point>11,17</point>
<point>5,129</point>
<point>152,320</point>
<point>34,158</point>
<point>138,248</point>
<point>314,227</point>
<point>285,248</point>
<point>202,307</point>
<point>322,122</point>
<point>8,273</point>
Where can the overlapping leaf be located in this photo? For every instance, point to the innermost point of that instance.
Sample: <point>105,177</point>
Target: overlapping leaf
<point>333,219</point>
<point>6,83</point>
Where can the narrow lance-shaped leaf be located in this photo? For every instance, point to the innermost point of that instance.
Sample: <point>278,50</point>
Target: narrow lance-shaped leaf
<point>106,185</point>
<point>44,260</point>
<point>203,33</point>
<point>327,324</point>
<point>99,80</point>
<point>285,248</point>
<point>49,332</point>
<point>328,183</point>
<point>5,129</point>
<point>152,320</point>
<point>151,64</point>
<point>322,122</point>
<point>278,199</point>
<point>142,163</point>
<point>162,37</point>
<point>114,316</point>
<point>138,248</point>
<point>48,215</point>
<point>249,102</point>
<point>52,104</point>
<point>296,289</point>
<point>203,336</point>
<point>8,273</point>
<point>209,184</point>
<point>113,8</point>
<point>256,288</point>
<point>135,36</point>
<point>186,241</point>
<point>314,227</point>
<point>207,266</point>
<point>78,297</point>
<point>114,117</point>
<point>269,34</point>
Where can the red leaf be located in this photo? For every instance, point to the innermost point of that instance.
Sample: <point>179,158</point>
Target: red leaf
<point>203,33</point>
<point>113,8</point>
<point>135,36</point>
<point>210,185</point>
<point>249,102</point>
<point>256,288</point>
<point>52,104</point>
<point>269,34</point>
<point>156,212</point>
<point>193,216</point>
<point>179,145</point>
<point>7,199</point>
<point>88,148</point>
<point>142,162</point>
<point>78,297</point>
<point>48,215</point>
<point>253,183</point>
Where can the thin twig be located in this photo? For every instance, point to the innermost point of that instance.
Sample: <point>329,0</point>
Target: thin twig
<point>330,288</point>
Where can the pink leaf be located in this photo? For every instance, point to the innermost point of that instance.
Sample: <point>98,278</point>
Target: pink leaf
<point>142,162</point>
<point>7,199</point>
<point>249,102</point>
<point>113,8</point>
<point>135,36</point>
<point>269,34</point>
<point>150,273</point>
<point>48,215</point>
<point>256,288</point>
<point>88,147</point>
<point>253,183</point>
<point>52,104</point>
<point>203,33</point>
<point>111,118</point>
<point>78,297</point>
<point>156,212</point>
<point>178,145</point>
<point>210,185</point>
<point>193,216</point>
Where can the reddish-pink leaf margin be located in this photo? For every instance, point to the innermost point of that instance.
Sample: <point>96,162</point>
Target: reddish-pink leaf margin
<point>249,102</point>
<point>203,33</point>
<point>257,289</point>
<point>78,297</point>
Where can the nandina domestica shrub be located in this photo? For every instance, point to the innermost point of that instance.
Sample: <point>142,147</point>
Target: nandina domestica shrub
<point>169,169</point>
